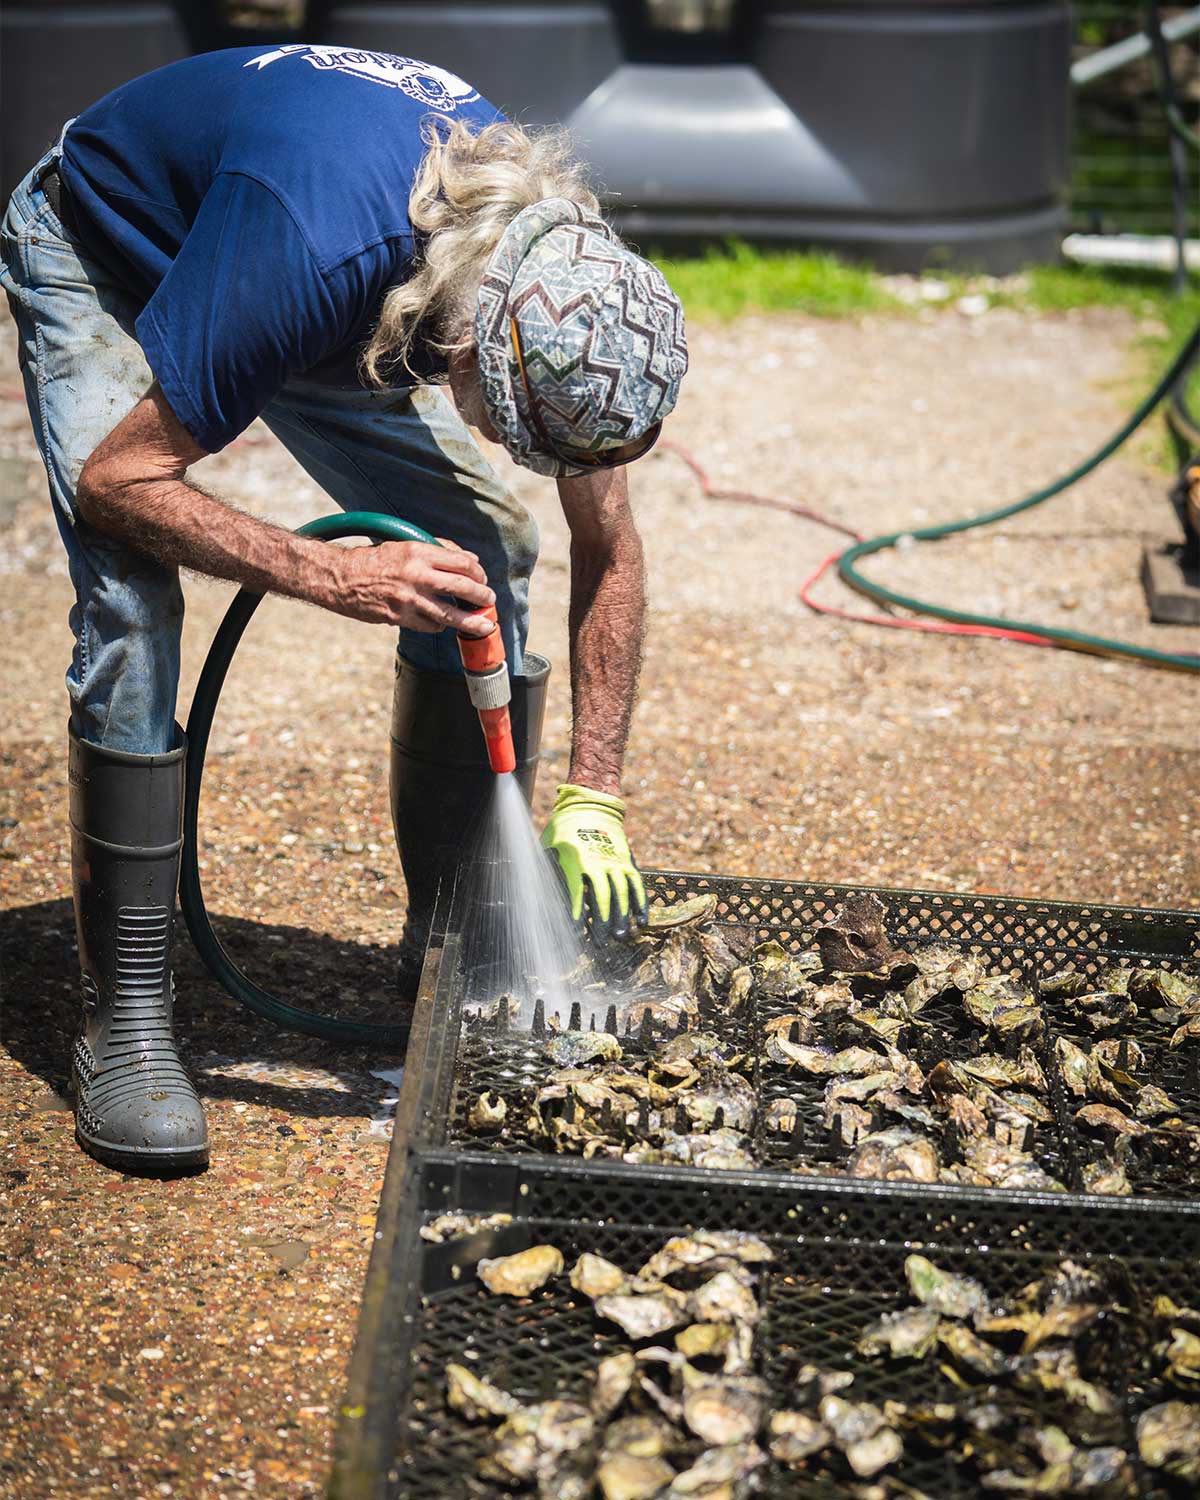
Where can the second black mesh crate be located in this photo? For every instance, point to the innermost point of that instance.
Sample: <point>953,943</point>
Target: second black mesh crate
<point>839,1264</point>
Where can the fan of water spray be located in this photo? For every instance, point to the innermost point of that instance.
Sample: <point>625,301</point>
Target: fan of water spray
<point>521,939</point>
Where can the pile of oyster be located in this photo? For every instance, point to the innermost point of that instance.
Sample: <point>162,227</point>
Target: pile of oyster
<point>855,1057</point>
<point>1112,1106</point>
<point>1041,1380</point>
<point>681,1410</point>
<point>677,1412</point>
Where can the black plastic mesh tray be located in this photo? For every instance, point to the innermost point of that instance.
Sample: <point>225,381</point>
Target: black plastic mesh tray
<point>465,1056</point>
<point>841,1249</point>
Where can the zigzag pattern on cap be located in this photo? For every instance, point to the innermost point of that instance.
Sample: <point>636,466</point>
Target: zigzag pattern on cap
<point>602,335</point>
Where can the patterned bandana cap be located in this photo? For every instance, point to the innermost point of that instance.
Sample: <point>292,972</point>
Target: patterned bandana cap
<point>600,330</point>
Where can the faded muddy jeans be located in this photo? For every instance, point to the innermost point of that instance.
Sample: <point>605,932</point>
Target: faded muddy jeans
<point>404,453</point>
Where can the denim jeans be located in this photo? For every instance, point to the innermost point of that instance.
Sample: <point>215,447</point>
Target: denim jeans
<point>401,452</point>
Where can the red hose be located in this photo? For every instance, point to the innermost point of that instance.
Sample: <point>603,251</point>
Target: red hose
<point>807,513</point>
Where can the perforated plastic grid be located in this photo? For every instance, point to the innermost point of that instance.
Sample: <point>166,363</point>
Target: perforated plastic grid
<point>1015,932</point>
<point>839,1267</point>
<point>1023,937</point>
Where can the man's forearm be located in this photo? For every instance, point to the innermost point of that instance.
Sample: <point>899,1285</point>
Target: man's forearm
<point>607,621</point>
<point>180,526</point>
<point>134,487</point>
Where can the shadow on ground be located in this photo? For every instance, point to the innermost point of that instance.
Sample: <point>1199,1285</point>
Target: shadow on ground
<point>38,975</point>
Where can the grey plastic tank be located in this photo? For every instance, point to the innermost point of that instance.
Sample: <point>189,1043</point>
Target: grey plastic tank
<point>907,131</point>
<point>904,132</point>
<point>57,58</point>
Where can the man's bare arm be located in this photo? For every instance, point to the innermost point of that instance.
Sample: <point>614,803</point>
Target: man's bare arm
<point>607,620</point>
<point>133,487</point>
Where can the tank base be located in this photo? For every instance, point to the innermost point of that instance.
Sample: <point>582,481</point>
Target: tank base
<point>998,247</point>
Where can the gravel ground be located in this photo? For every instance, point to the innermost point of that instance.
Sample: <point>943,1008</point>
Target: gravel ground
<point>191,1338</point>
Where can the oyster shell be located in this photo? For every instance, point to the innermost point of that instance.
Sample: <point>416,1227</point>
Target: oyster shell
<point>519,1275</point>
<point>781,1115</point>
<point>851,1121</point>
<point>1105,1117</point>
<point>860,1429</point>
<point>813,1382</point>
<point>778,972</point>
<point>1168,1438</point>
<point>1107,1177</point>
<point>1006,1007</point>
<point>1119,1052</point>
<point>725,1411</point>
<point>1153,985</point>
<point>1064,982</point>
<point>989,1162</point>
<point>968,1119</point>
<point>854,941</point>
<point>951,1296</point>
<point>723,1299</point>
<point>537,1442</point>
<point>732,1343</point>
<point>643,1436</point>
<point>1103,1010</point>
<point>1183,1356</point>
<point>686,1252</point>
<point>613,1382</point>
<point>574,1048</point>
<point>488,1113</point>
<point>722,1099</point>
<point>1006,1072</point>
<point>1189,1031</point>
<point>907,1334</point>
<point>720,1149</point>
<point>895,1155</point>
<point>793,1436</point>
<point>477,1398</point>
<point>661,918</point>
<point>626,1476</point>
<point>674,1010</point>
<point>864,1087</point>
<point>693,1046</point>
<point>718,1473</point>
<point>1081,1072</point>
<point>969,1350</point>
<point>1151,1102</point>
<point>455,1226</point>
<point>741,982</point>
<point>647,1315</point>
<point>596,1277</point>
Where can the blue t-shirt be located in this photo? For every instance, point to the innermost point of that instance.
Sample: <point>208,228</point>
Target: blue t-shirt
<point>256,201</point>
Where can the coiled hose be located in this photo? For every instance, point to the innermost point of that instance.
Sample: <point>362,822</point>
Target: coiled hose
<point>394,1037</point>
<point>1183,424</point>
<point>1075,640</point>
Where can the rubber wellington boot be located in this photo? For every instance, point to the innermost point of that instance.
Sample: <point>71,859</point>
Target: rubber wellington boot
<point>441,781</point>
<point>135,1107</point>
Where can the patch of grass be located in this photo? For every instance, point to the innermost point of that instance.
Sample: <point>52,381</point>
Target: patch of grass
<point>726,282</point>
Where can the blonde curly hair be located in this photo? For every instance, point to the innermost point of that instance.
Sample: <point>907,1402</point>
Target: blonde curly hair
<point>469,187</point>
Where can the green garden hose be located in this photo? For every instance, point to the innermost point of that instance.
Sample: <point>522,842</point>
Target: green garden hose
<point>379,528</point>
<point>1183,425</point>
<point>1076,640</point>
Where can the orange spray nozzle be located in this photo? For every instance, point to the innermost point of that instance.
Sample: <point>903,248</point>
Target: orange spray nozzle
<point>487,682</point>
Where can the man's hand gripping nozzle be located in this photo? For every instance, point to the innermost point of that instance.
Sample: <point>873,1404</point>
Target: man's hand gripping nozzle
<point>490,691</point>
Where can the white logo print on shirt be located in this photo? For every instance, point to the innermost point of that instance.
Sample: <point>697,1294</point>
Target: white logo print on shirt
<point>431,86</point>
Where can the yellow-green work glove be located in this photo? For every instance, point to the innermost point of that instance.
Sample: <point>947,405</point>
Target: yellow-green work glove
<point>586,833</point>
